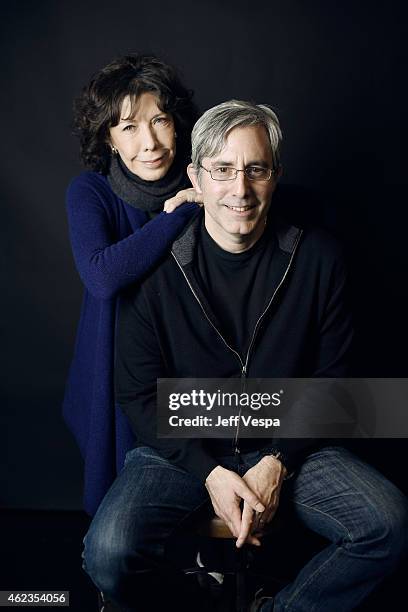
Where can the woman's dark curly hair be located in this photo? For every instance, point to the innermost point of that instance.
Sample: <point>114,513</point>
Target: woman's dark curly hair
<point>98,107</point>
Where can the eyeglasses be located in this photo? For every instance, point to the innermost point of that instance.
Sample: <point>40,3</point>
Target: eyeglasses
<point>227,173</point>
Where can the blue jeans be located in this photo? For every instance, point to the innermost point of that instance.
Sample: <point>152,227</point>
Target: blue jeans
<point>363,516</point>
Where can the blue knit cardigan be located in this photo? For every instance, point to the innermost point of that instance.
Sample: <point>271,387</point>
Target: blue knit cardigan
<point>114,245</point>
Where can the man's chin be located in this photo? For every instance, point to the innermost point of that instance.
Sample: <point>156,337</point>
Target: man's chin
<point>241,227</point>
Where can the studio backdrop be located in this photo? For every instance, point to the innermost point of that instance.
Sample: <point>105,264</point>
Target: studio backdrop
<point>336,75</point>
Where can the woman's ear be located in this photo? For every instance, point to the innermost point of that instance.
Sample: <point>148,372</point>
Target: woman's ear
<point>192,175</point>
<point>111,146</point>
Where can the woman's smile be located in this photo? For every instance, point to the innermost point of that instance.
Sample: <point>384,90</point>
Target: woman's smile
<point>155,162</point>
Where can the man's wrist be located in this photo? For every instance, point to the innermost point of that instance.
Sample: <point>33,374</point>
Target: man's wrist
<point>272,459</point>
<point>279,456</point>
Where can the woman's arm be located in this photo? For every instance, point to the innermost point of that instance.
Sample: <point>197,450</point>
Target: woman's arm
<point>105,264</point>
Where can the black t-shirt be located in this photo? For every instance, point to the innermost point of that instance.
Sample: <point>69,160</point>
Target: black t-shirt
<point>235,285</point>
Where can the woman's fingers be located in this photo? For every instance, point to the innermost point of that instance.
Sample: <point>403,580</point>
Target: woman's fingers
<point>186,195</point>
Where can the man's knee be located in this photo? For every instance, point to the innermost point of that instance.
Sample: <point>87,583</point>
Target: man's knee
<point>112,556</point>
<point>386,530</point>
<point>396,532</point>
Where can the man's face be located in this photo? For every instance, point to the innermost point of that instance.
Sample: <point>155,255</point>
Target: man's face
<point>236,209</point>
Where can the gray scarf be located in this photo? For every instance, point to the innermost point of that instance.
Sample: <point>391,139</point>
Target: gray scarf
<point>146,195</point>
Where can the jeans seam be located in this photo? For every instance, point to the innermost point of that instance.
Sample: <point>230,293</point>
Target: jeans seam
<point>316,572</point>
<point>350,537</point>
<point>337,550</point>
<point>318,569</point>
<point>363,484</point>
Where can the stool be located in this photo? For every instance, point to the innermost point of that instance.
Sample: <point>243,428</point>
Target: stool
<point>215,528</point>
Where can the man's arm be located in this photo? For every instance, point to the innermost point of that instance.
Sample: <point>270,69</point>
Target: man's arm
<point>333,355</point>
<point>139,363</point>
<point>332,361</point>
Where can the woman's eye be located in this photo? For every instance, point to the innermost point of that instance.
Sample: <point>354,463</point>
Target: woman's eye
<point>129,128</point>
<point>161,121</point>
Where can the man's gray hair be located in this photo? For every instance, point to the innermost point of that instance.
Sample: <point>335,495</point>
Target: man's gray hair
<point>209,134</point>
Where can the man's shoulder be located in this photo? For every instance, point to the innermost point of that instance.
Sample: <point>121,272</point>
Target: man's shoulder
<point>158,282</point>
<point>181,254</point>
<point>311,240</point>
<point>321,257</point>
<point>321,246</point>
<point>321,239</point>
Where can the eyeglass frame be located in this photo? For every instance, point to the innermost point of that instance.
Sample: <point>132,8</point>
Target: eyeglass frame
<point>271,170</point>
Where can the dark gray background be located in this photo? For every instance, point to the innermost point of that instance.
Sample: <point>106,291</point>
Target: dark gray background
<point>334,71</point>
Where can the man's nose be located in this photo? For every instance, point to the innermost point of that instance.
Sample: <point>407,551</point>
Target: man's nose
<point>148,138</point>
<point>241,184</point>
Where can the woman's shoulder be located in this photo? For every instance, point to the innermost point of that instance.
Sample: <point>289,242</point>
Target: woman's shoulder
<point>91,193</point>
<point>90,188</point>
<point>88,180</point>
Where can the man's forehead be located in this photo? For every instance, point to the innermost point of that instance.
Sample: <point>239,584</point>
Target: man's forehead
<point>248,142</point>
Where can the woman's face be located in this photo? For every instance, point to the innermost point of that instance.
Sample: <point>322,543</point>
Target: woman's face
<point>145,142</point>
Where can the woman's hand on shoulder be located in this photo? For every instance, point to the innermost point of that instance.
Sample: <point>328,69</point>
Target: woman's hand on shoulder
<point>185,195</point>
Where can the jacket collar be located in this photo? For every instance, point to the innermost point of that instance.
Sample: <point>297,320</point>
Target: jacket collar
<point>184,247</point>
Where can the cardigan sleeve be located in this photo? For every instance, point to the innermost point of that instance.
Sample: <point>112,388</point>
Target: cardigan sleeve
<point>105,264</point>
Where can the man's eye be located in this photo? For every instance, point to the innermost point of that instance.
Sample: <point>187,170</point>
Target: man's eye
<point>256,170</point>
<point>222,170</point>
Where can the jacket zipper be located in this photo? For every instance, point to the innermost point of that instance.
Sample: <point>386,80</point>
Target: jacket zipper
<point>243,366</point>
<point>256,328</point>
<point>241,363</point>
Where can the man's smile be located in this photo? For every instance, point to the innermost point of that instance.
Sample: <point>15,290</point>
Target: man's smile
<point>241,210</point>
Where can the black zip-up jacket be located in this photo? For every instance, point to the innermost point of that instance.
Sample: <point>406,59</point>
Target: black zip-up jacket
<point>166,329</point>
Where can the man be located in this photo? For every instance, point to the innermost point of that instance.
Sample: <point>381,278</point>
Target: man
<point>240,295</point>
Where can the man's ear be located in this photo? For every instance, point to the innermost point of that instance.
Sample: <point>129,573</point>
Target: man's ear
<point>279,172</point>
<point>192,175</point>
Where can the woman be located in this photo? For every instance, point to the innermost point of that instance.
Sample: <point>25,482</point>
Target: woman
<point>134,121</point>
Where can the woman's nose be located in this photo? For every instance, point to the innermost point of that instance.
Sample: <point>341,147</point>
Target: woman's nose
<point>148,138</point>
